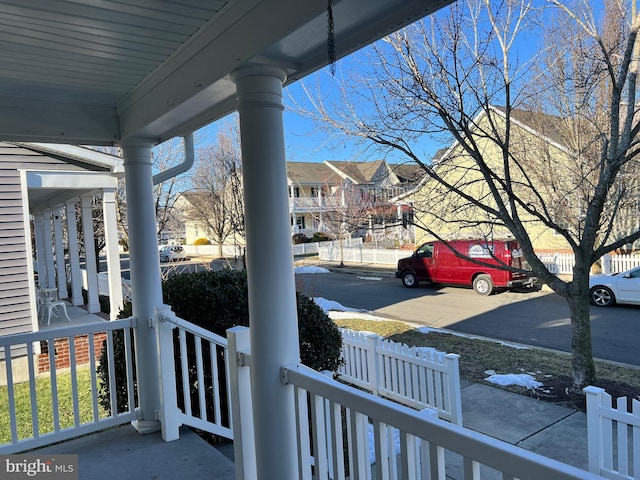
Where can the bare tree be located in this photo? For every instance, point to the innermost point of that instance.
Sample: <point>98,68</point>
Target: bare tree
<point>216,199</point>
<point>467,75</point>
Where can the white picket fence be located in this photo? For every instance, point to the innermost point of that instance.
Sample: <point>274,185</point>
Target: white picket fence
<point>614,436</point>
<point>417,377</point>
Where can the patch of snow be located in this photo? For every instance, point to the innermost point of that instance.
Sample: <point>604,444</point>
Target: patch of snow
<point>311,269</point>
<point>372,448</point>
<point>357,314</point>
<point>521,379</point>
<point>330,305</point>
<point>369,278</point>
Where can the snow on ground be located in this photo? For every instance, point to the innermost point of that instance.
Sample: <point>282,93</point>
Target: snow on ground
<point>311,269</point>
<point>521,379</point>
<point>330,305</point>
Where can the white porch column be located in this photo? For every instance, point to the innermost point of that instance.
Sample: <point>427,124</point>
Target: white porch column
<point>113,255</point>
<point>93,304</point>
<point>49,274</point>
<point>38,227</point>
<point>74,255</point>
<point>60,258</point>
<point>146,284</point>
<point>272,293</point>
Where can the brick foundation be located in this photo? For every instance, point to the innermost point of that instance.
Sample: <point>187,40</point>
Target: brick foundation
<point>61,346</point>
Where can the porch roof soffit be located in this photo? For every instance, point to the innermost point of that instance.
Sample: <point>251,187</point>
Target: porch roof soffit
<point>88,73</point>
<point>47,189</point>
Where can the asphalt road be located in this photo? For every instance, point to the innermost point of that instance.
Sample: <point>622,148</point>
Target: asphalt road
<point>539,318</point>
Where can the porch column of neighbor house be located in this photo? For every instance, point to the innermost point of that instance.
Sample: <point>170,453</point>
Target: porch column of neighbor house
<point>74,255</point>
<point>272,293</point>
<point>38,231</point>
<point>47,240</point>
<point>146,283</point>
<point>91,269</point>
<point>113,255</point>
<point>61,264</point>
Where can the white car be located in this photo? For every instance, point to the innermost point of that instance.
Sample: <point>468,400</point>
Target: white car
<point>172,253</point>
<point>607,290</point>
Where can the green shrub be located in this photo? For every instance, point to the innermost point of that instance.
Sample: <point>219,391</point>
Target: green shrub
<point>299,238</point>
<point>320,237</point>
<point>201,241</point>
<point>217,301</point>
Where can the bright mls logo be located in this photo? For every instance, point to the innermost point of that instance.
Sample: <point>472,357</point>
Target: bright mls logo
<point>56,467</point>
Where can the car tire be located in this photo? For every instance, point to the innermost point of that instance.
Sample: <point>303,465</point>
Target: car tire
<point>483,285</point>
<point>409,280</point>
<point>602,296</point>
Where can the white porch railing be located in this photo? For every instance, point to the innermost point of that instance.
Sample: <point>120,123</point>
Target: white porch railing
<point>614,436</point>
<point>195,372</point>
<point>417,377</point>
<point>403,443</point>
<point>70,417</point>
<point>334,420</point>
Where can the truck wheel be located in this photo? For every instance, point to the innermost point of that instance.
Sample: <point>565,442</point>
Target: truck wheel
<point>483,285</point>
<point>409,280</point>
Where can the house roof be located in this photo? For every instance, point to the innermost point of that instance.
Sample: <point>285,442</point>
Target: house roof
<point>551,127</point>
<point>359,172</point>
<point>311,173</point>
<point>87,72</point>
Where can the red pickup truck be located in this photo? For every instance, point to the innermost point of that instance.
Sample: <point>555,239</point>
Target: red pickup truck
<point>453,263</point>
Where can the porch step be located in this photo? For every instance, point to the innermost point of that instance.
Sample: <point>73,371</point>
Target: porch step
<point>122,453</point>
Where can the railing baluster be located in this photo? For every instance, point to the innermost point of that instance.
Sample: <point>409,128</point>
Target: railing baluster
<point>186,396</point>
<point>200,378</point>
<point>53,375</point>
<point>11,394</point>
<point>113,400</point>
<point>74,381</point>
<point>35,424</point>
<point>129,363</point>
<point>213,353</point>
<point>94,379</point>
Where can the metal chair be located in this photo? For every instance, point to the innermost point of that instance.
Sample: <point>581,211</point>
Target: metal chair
<point>51,305</point>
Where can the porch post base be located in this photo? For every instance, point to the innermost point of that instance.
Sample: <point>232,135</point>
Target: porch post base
<point>145,427</point>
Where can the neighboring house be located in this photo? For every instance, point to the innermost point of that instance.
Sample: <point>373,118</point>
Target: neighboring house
<point>551,169</point>
<point>43,188</point>
<point>317,190</point>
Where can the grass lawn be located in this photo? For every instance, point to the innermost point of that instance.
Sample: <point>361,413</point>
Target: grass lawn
<point>477,356</point>
<point>45,405</point>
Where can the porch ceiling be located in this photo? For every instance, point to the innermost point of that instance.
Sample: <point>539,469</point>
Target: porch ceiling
<point>89,72</point>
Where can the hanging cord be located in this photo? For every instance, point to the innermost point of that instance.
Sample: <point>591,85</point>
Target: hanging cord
<point>331,40</point>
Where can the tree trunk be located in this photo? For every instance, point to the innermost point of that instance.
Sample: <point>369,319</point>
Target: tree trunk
<point>220,249</point>
<point>583,367</point>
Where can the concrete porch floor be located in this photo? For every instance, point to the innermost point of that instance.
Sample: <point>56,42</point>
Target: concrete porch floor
<point>122,453</point>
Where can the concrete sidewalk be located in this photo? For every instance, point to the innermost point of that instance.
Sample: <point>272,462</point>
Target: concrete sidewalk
<point>545,428</point>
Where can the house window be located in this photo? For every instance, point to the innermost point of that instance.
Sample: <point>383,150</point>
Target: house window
<point>296,192</point>
<point>300,223</point>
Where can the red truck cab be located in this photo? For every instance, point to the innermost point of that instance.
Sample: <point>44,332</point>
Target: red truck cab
<point>478,263</point>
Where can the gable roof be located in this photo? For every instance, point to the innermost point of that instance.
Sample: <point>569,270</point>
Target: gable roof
<point>311,173</point>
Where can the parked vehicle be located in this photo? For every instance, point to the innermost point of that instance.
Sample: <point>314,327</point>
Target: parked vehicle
<point>466,262</point>
<point>172,253</point>
<point>607,290</point>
